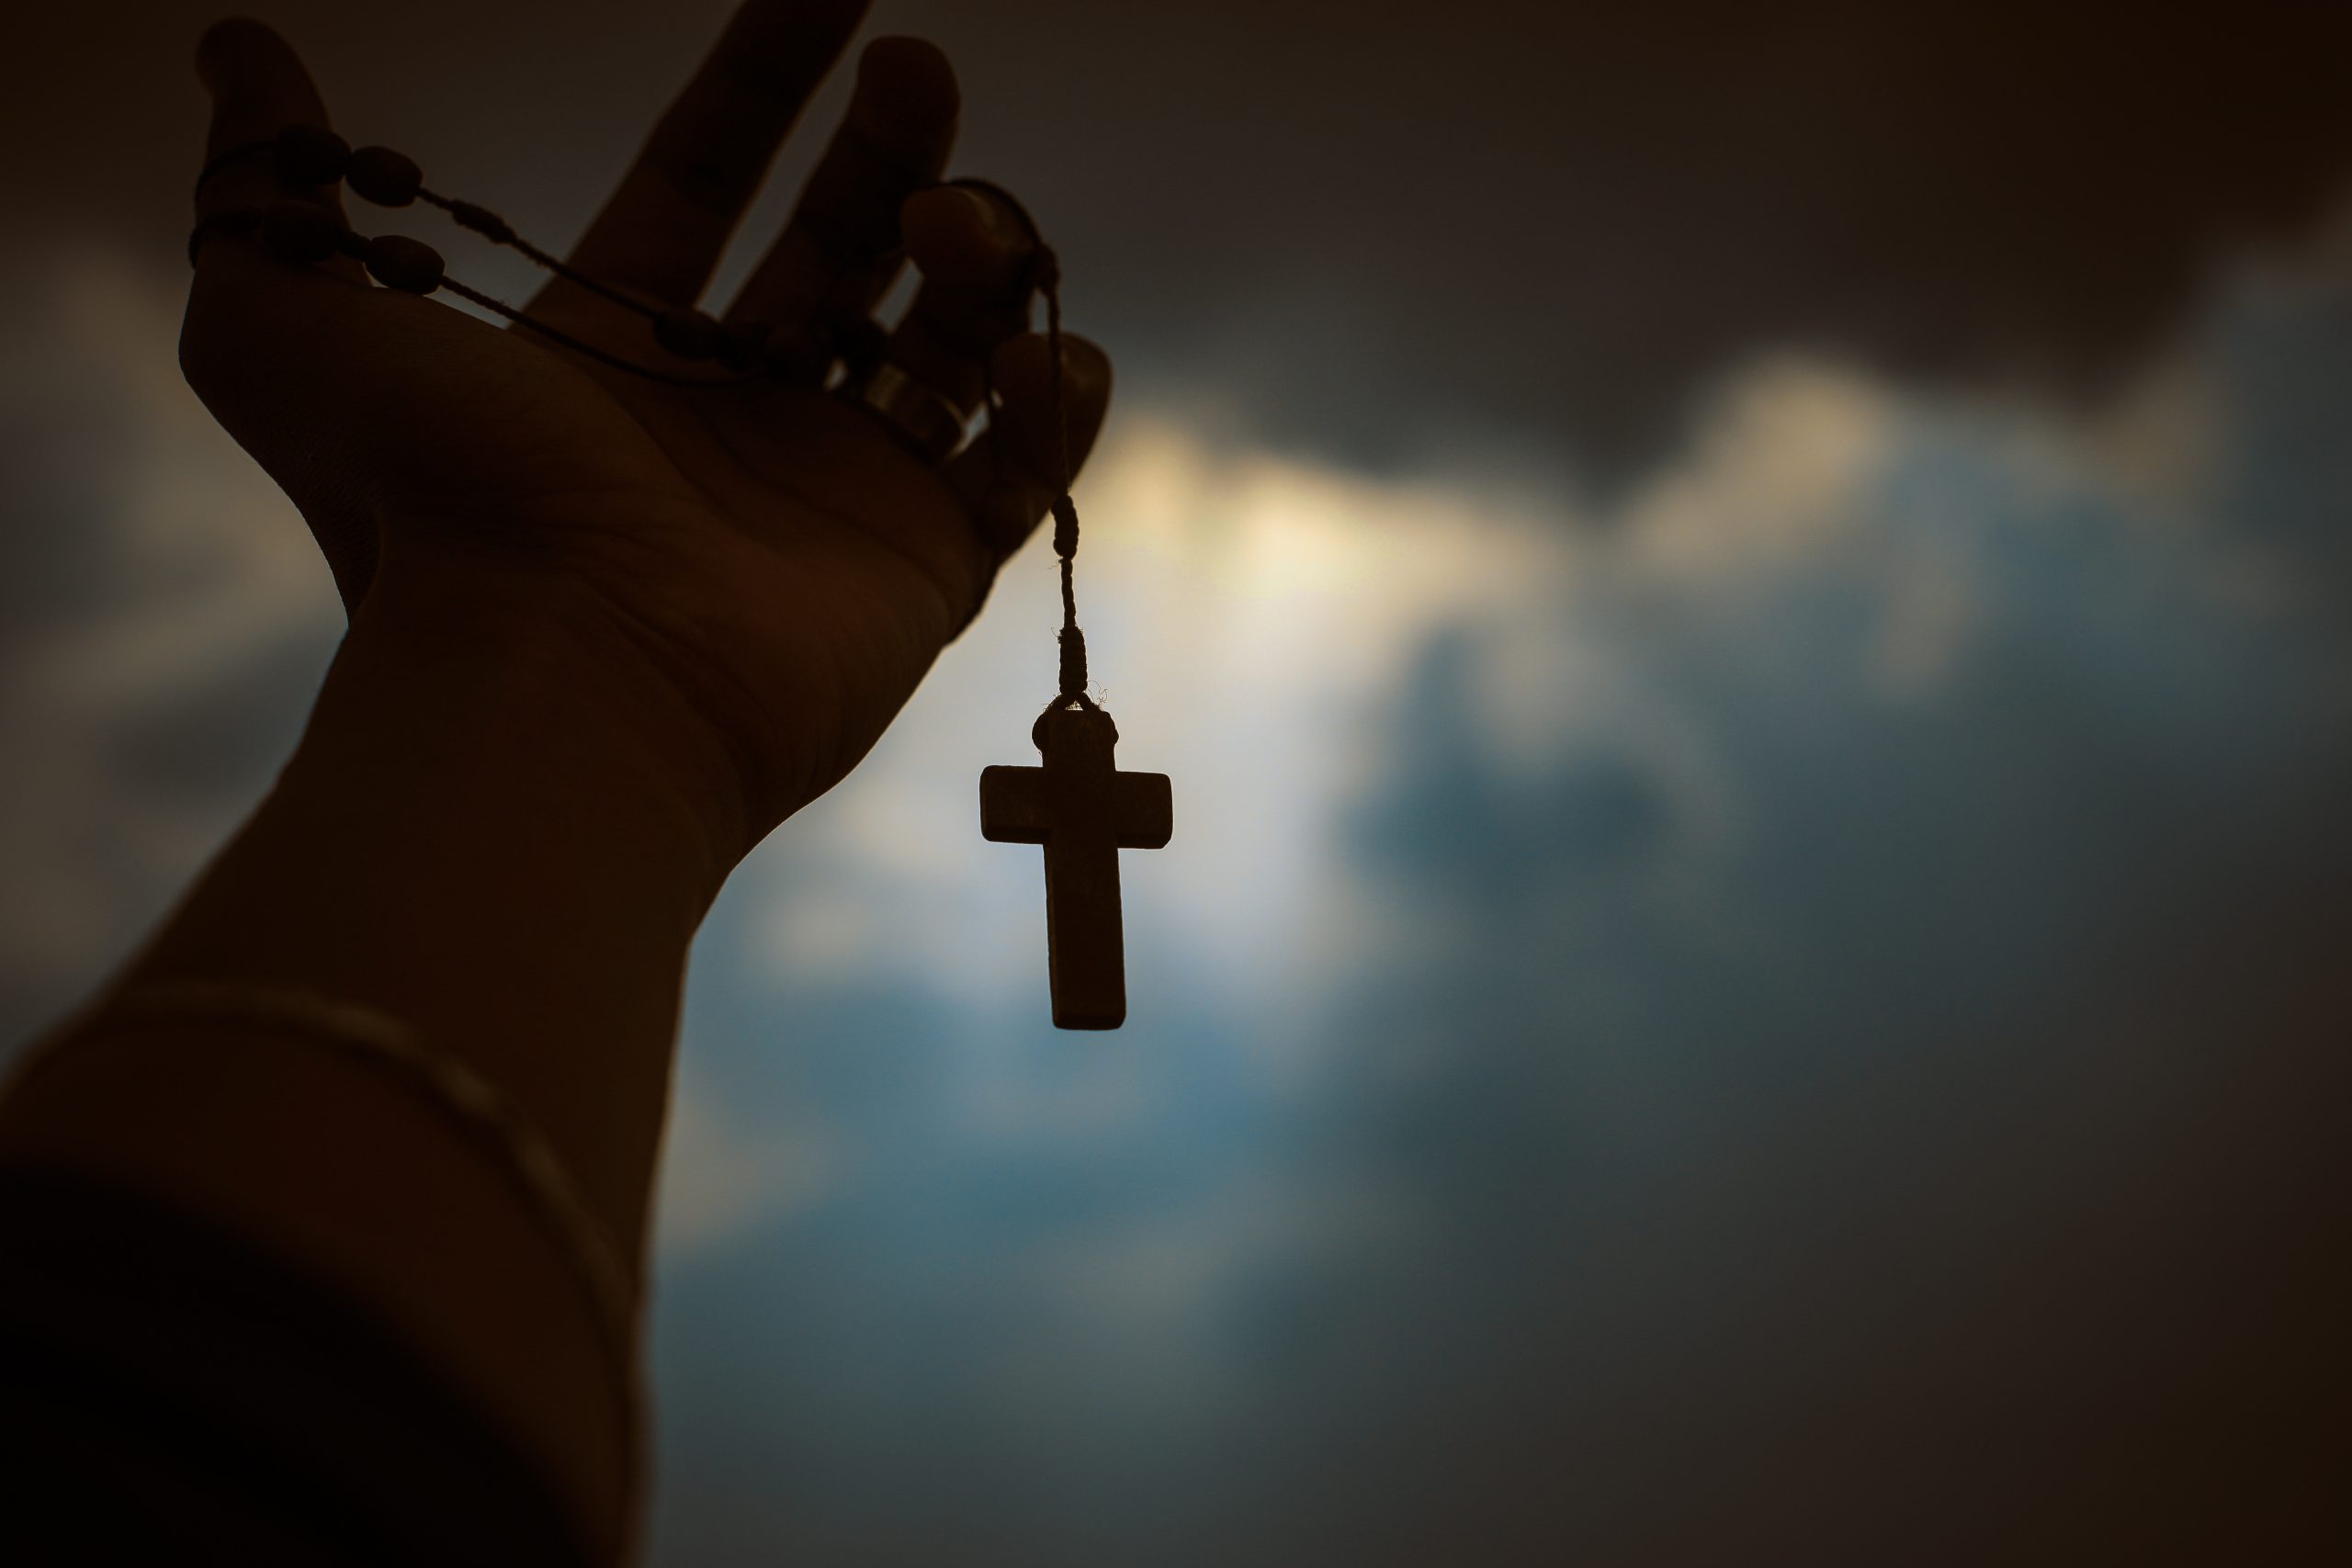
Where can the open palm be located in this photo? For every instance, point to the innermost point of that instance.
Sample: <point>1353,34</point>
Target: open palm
<point>770,551</point>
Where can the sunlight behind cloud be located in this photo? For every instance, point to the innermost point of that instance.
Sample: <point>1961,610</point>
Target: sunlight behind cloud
<point>1253,618</point>
<point>1248,616</point>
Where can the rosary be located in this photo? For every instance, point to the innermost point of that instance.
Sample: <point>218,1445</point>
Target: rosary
<point>1078,806</point>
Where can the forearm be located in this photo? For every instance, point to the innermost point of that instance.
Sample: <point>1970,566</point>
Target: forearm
<point>501,831</point>
<point>498,832</point>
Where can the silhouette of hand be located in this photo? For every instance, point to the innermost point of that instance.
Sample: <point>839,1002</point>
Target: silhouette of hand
<point>767,555</point>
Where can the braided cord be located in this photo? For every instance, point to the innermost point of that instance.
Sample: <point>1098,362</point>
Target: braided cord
<point>1045,277</point>
<point>1072,641</point>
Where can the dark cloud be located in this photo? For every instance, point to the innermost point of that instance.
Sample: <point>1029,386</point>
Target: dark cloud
<point>1953,1178</point>
<point>1380,228</point>
<point>113,787</point>
<point>60,424</point>
<point>1391,224</point>
<point>1982,1192</point>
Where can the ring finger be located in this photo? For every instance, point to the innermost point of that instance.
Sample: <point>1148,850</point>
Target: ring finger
<point>975,253</point>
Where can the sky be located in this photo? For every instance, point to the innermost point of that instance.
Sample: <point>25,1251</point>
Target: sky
<point>1752,966</point>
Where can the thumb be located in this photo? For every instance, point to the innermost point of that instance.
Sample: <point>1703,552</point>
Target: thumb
<point>251,319</point>
<point>259,87</point>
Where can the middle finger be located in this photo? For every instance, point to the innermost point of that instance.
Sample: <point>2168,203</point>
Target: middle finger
<point>842,247</point>
<point>978,256</point>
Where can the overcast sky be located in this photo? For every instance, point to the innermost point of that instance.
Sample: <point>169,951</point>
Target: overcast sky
<point>1754,947</point>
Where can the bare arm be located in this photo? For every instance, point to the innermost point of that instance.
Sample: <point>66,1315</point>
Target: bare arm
<point>505,857</point>
<point>604,634</point>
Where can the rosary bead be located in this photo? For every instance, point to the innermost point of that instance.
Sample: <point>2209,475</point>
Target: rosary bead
<point>398,261</point>
<point>689,334</point>
<point>383,177</point>
<point>300,231</point>
<point>309,155</point>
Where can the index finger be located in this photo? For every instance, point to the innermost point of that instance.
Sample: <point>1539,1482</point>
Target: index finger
<point>664,227</point>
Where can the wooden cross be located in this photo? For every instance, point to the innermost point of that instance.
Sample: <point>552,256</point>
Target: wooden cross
<point>1084,811</point>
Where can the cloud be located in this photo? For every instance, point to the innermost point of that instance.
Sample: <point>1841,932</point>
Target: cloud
<point>1873,1128</point>
<point>1384,235</point>
<point>1843,935</point>
<point>717,1178</point>
<point>165,625</point>
<point>1658,982</point>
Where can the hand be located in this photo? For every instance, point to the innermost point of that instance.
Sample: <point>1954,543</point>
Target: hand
<point>767,557</point>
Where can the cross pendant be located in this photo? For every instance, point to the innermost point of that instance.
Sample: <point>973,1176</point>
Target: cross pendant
<point>1084,811</point>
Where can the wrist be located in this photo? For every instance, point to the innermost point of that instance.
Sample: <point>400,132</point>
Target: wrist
<point>531,675</point>
<point>502,830</point>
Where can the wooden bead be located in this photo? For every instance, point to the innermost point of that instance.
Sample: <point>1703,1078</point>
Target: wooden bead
<point>398,261</point>
<point>300,231</point>
<point>308,156</point>
<point>689,334</point>
<point>383,177</point>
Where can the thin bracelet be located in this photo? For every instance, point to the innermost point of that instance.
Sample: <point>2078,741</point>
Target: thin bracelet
<point>494,1121</point>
